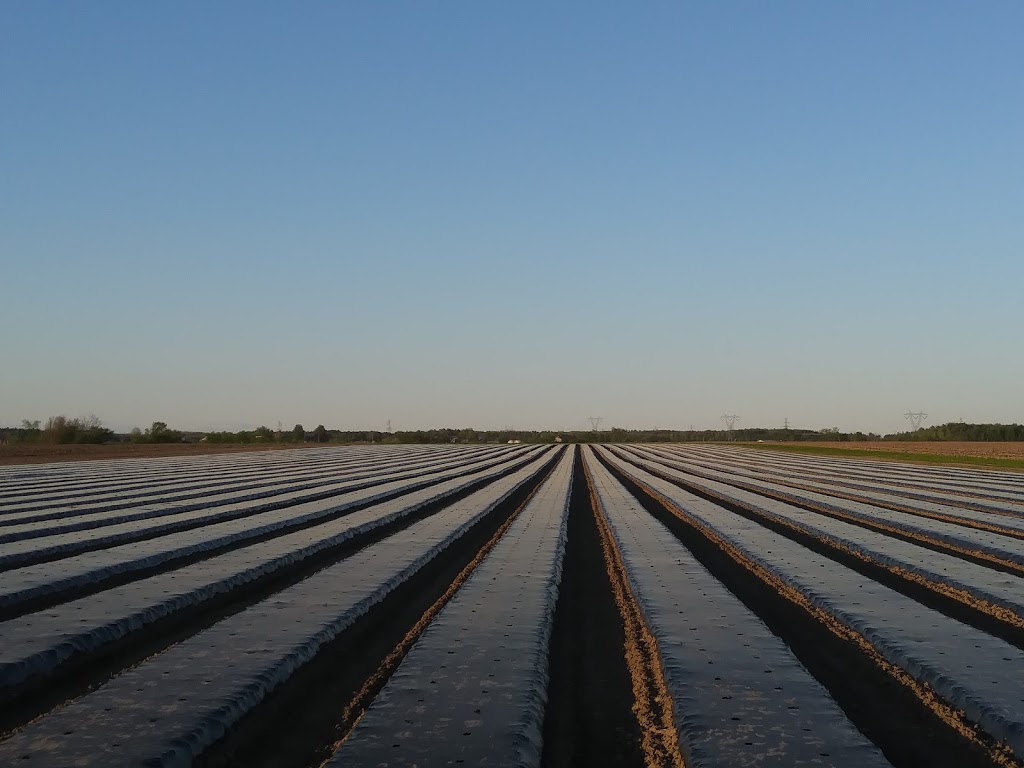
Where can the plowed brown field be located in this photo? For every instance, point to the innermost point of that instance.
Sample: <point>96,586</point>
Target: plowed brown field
<point>981,450</point>
<point>45,454</point>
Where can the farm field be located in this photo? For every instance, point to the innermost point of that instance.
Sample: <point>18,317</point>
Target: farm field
<point>34,453</point>
<point>943,448</point>
<point>980,454</point>
<point>514,605</point>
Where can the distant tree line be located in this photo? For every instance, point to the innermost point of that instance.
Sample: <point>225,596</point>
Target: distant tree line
<point>615,434</point>
<point>89,429</point>
<point>157,433</point>
<point>995,432</point>
<point>296,434</point>
<point>959,431</point>
<point>59,430</point>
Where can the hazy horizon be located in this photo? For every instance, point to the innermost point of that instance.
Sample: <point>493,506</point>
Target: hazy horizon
<point>226,215</point>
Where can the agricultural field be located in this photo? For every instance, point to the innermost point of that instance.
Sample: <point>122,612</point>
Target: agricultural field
<point>949,448</point>
<point>37,453</point>
<point>1008,456</point>
<point>513,605</point>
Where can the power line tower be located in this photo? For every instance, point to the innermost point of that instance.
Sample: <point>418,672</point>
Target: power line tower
<point>730,420</point>
<point>389,426</point>
<point>785,423</point>
<point>595,422</point>
<point>915,419</point>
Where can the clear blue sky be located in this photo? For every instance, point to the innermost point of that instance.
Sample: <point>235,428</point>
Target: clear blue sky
<point>512,214</point>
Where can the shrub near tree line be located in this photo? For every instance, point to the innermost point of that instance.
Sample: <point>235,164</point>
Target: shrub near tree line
<point>60,430</point>
<point>261,434</point>
<point>158,433</point>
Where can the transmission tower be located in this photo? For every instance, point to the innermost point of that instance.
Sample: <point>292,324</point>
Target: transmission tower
<point>595,422</point>
<point>730,420</point>
<point>785,423</point>
<point>389,426</point>
<point>915,419</point>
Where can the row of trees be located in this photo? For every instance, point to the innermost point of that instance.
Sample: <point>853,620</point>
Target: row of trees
<point>59,430</point>
<point>158,433</point>
<point>613,435</point>
<point>89,429</point>
<point>952,431</point>
<point>959,431</point>
<point>297,434</point>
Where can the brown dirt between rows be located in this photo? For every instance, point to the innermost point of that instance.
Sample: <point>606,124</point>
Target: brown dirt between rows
<point>969,610</point>
<point>938,448</point>
<point>589,718</point>
<point>907,732</point>
<point>310,707</point>
<point>46,454</point>
<point>80,675</point>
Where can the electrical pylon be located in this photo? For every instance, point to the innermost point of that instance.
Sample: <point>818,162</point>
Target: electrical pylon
<point>915,419</point>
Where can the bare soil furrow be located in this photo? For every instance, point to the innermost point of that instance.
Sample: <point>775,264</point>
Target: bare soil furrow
<point>905,718</point>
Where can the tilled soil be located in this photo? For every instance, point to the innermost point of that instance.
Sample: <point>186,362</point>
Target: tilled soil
<point>11,455</point>
<point>589,718</point>
<point>908,731</point>
<point>951,448</point>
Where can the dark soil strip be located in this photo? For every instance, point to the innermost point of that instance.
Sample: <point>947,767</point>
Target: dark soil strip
<point>978,557</point>
<point>589,718</point>
<point>301,721</point>
<point>67,595</point>
<point>908,732</point>
<point>80,675</point>
<point>48,454</point>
